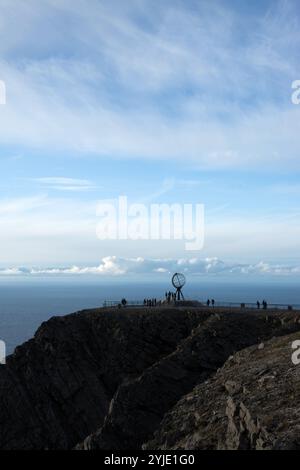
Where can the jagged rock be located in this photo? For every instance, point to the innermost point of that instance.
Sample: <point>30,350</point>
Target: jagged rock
<point>232,387</point>
<point>139,405</point>
<point>264,414</point>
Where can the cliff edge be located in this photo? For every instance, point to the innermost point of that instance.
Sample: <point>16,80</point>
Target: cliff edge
<point>152,378</point>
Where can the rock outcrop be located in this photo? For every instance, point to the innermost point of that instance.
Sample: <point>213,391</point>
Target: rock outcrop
<point>153,378</point>
<point>252,403</point>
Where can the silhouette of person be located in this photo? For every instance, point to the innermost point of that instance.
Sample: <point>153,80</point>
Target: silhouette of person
<point>208,302</point>
<point>258,304</point>
<point>213,302</point>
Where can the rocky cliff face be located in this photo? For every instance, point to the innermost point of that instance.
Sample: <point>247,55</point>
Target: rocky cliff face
<point>123,379</point>
<point>251,403</point>
<point>56,389</point>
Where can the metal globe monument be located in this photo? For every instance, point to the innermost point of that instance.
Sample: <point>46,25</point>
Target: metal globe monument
<point>179,281</point>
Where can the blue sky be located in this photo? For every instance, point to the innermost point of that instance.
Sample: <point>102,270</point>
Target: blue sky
<point>171,101</point>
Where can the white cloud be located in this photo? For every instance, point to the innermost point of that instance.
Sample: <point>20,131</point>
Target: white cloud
<point>114,266</point>
<point>62,231</point>
<point>66,184</point>
<point>101,84</point>
<point>22,205</point>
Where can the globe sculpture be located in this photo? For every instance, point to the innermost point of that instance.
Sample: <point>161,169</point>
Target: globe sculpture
<point>178,281</point>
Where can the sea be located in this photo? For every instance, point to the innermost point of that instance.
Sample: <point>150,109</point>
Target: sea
<point>26,303</point>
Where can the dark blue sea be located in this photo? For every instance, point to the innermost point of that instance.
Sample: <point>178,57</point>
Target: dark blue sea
<point>26,303</point>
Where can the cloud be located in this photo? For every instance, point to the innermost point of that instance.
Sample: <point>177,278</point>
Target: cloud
<point>66,184</point>
<point>189,81</point>
<point>22,205</point>
<point>40,229</point>
<point>113,266</point>
<point>14,271</point>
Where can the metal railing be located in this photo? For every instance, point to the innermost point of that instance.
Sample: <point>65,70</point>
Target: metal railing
<point>253,305</point>
<point>129,303</point>
<point>218,303</point>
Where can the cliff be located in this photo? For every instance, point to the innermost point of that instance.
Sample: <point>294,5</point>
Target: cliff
<point>153,378</point>
<point>252,403</point>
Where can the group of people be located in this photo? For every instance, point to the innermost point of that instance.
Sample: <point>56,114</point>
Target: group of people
<point>151,302</point>
<point>264,304</point>
<point>210,302</point>
<point>170,297</point>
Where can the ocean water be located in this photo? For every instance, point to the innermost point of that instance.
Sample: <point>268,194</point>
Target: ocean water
<point>25,304</point>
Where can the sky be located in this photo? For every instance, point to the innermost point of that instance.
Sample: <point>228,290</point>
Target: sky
<point>177,101</point>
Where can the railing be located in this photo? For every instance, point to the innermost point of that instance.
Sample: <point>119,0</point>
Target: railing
<point>219,303</point>
<point>129,303</point>
<point>253,305</point>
